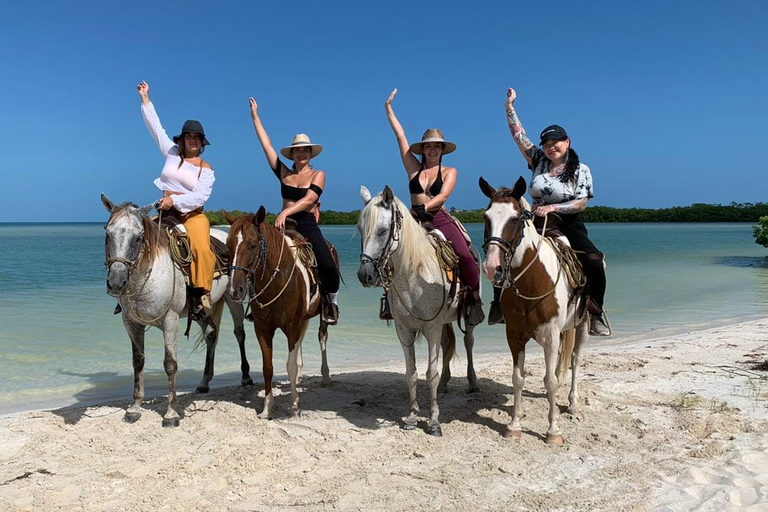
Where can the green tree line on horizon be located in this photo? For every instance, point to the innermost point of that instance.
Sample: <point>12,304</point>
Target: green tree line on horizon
<point>697,212</point>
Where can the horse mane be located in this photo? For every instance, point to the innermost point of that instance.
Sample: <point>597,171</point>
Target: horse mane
<point>414,243</point>
<point>270,233</point>
<point>506,193</point>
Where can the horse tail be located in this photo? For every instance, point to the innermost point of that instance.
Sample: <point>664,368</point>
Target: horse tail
<point>565,353</point>
<point>448,342</point>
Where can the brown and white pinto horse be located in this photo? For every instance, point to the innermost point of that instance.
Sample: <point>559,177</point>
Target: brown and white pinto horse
<point>537,301</point>
<point>266,270</point>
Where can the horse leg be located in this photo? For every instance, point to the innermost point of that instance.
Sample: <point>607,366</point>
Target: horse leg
<point>433,376</point>
<point>293,365</point>
<point>448,345</point>
<point>551,344</point>
<point>517,347</point>
<point>582,335</point>
<point>407,339</point>
<point>265,343</point>
<point>170,363</point>
<point>238,317</point>
<point>136,334</point>
<point>322,337</point>
<point>469,343</point>
<point>211,339</point>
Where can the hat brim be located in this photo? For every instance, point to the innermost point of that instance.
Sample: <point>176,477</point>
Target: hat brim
<point>448,147</point>
<point>316,149</point>
<point>177,137</point>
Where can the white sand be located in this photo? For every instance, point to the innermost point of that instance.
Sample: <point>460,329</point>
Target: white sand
<point>677,423</point>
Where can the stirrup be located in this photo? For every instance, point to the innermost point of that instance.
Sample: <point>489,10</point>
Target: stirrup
<point>599,325</point>
<point>384,312</point>
<point>331,314</point>
<point>494,313</point>
<point>475,315</point>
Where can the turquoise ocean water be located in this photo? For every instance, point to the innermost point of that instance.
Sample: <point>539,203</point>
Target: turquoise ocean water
<point>60,344</point>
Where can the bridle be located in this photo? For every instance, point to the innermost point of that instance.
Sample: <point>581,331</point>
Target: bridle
<point>381,264</point>
<point>509,247</point>
<point>129,264</point>
<point>250,272</point>
<point>384,267</point>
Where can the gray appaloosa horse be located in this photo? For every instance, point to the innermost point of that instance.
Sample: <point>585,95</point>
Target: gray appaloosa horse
<point>152,292</point>
<point>398,255</point>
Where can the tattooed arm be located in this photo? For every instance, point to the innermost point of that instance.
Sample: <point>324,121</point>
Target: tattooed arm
<point>575,206</point>
<point>516,128</point>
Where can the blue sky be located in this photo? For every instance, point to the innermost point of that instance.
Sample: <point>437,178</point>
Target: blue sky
<point>665,101</point>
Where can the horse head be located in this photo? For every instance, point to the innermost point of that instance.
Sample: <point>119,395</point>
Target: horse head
<point>505,219</point>
<point>379,228</point>
<point>245,243</point>
<point>125,242</point>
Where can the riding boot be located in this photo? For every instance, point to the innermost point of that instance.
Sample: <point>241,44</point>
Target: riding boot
<point>384,312</point>
<point>330,311</point>
<point>197,309</point>
<point>598,320</point>
<point>473,309</point>
<point>494,314</point>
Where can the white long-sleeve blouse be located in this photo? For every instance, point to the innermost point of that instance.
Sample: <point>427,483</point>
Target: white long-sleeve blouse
<point>194,183</point>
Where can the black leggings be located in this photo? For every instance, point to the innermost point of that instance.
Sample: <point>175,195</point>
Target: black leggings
<point>574,229</point>
<point>329,273</point>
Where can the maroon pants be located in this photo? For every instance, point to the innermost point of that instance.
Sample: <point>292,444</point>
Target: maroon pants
<point>443,222</point>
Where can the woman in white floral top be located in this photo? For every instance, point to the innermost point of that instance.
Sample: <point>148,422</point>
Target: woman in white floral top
<point>560,185</point>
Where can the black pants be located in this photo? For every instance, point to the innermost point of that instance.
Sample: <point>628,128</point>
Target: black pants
<point>591,260</point>
<point>329,273</point>
<point>574,229</point>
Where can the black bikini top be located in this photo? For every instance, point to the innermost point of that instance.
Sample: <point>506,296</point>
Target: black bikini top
<point>290,193</point>
<point>414,186</point>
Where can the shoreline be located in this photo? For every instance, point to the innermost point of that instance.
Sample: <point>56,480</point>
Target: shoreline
<point>671,423</point>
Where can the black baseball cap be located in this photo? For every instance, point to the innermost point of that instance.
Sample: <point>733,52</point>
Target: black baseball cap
<point>553,132</point>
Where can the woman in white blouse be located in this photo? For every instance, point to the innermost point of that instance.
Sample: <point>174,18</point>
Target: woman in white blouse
<point>186,181</point>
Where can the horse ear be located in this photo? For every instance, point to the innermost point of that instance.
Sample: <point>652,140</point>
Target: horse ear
<point>260,215</point>
<point>109,205</point>
<point>518,190</point>
<point>144,211</point>
<point>388,196</point>
<point>365,194</point>
<point>488,190</point>
<point>228,216</point>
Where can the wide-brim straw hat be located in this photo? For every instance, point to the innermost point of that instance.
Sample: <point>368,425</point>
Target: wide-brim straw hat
<point>299,141</point>
<point>433,135</point>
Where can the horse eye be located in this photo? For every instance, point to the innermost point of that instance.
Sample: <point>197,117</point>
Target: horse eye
<point>381,232</point>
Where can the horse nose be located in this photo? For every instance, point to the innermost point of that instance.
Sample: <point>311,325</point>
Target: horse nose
<point>366,276</point>
<point>498,274</point>
<point>116,285</point>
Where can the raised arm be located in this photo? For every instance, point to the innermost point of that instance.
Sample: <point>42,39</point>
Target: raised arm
<point>153,121</point>
<point>261,133</point>
<point>524,144</point>
<point>410,162</point>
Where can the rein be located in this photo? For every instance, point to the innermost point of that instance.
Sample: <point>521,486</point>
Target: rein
<point>384,267</point>
<point>252,295</point>
<point>509,252</point>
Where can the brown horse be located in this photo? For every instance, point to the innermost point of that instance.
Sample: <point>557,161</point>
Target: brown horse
<point>539,299</point>
<point>267,271</point>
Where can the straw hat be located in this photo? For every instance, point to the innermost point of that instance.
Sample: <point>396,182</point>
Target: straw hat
<point>433,135</point>
<point>301,140</point>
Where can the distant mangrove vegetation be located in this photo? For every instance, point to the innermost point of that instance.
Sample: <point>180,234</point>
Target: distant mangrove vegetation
<point>699,212</point>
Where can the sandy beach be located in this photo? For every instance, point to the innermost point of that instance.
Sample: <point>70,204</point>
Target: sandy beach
<point>675,423</point>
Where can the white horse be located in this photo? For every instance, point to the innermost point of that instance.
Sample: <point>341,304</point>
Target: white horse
<point>398,255</point>
<point>538,300</point>
<point>152,292</point>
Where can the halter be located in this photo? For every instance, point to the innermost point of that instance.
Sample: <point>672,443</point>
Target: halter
<point>508,247</point>
<point>383,268</point>
<point>250,272</point>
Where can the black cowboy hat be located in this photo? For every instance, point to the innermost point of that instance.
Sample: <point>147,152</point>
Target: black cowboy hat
<point>192,126</point>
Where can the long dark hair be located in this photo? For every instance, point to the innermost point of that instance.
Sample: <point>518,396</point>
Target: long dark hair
<point>571,166</point>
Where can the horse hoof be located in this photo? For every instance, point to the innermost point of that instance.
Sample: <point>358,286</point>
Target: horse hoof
<point>131,417</point>
<point>170,422</point>
<point>245,383</point>
<point>325,383</point>
<point>473,389</point>
<point>435,430</point>
<point>514,434</point>
<point>554,439</point>
<point>202,389</point>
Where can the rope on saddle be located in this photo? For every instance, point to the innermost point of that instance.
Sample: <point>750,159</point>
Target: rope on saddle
<point>179,247</point>
<point>570,263</point>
